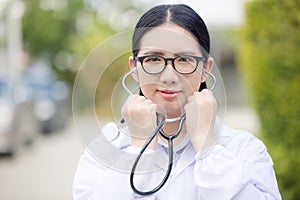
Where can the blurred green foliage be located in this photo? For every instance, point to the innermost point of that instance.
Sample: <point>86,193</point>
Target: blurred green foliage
<point>49,31</point>
<point>270,66</point>
<point>66,34</point>
<point>46,30</point>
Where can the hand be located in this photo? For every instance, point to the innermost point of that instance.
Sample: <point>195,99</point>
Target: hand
<point>139,114</point>
<point>200,119</point>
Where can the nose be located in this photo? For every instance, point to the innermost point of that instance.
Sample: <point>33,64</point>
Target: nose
<point>169,75</point>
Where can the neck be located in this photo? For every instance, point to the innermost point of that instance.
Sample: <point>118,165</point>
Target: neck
<point>170,128</point>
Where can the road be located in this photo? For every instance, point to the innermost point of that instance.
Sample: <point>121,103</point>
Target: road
<point>45,171</point>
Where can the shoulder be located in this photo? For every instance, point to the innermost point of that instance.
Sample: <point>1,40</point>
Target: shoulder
<point>243,144</point>
<point>117,135</point>
<point>230,135</point>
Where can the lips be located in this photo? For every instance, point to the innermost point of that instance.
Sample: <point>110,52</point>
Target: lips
<point>168,91</point>
<point>168,94</point>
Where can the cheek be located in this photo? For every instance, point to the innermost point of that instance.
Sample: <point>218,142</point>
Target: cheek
<point>148,90</point>
<point>197,84</point>
<point>147,84</point>
<point>147,81</point>
<point>192,84</point>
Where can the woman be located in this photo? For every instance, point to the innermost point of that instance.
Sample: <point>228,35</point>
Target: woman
<point>171,63</point>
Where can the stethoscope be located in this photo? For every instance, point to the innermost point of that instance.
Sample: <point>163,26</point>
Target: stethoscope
<point>161,120</point>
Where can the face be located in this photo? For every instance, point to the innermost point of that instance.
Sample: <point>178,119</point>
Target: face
<point>169,89</point>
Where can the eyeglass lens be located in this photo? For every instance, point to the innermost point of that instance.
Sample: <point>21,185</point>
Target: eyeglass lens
<point>182,64</point>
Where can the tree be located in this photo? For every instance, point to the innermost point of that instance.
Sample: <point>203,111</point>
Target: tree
<point>51,28</point>
<point>270,67</point>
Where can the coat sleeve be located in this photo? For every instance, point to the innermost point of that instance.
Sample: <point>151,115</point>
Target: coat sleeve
<point>94,180</point>
<point>84,180</point>
<point>103,170</point>
<point>240,168</point>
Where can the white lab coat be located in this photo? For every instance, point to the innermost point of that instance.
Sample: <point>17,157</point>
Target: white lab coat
<point>238,167</point>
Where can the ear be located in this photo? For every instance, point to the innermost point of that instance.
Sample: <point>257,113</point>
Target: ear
<point>208,65</point>
<point>133,67</point>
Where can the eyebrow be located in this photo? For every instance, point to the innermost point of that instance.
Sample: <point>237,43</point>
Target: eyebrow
<point>153,52</point>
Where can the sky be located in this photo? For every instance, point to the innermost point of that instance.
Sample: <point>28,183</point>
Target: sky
<point>216,13</point>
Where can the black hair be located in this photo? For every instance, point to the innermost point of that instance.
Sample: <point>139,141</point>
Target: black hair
<point>179,14</point>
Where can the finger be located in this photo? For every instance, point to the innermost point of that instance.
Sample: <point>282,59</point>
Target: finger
<point>132,102</point>
<point>153,108</point>
<point>187,106</point>
<point>128,101</point>
<point>206,91</point>
<point>191,98</point>
<point>138,98</point>
<point>147,101</point>
<point>208,94</point>
<point>132,98</point>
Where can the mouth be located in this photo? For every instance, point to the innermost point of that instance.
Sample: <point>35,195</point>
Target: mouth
<point>168,94</point>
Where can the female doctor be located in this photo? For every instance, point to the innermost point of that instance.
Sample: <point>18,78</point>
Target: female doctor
<point>171,63</point>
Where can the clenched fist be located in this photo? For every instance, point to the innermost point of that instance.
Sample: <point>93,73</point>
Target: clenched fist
<point>139,114</point>
<point>201,110</point>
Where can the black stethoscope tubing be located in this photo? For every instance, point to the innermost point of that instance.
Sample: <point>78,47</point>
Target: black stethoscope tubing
<point>170,151</point>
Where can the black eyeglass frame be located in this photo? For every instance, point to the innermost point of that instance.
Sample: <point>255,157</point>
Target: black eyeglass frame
<point>142,58</point>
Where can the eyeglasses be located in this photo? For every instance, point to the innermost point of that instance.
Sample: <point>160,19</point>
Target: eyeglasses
<point>153,64</point>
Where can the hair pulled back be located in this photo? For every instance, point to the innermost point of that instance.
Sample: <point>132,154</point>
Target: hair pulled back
<point>179,14</point>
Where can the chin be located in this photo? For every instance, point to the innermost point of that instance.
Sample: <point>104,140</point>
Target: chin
<point>173,110</point>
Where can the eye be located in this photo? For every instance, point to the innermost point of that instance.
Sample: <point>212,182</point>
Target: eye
<point>153,59</point>
<point>183,59</point>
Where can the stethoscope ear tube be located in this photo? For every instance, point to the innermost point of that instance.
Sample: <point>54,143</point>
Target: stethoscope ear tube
<point>170,151</point>
<point>124,79</point>
<point>213,79</point>
<point>135,70</point>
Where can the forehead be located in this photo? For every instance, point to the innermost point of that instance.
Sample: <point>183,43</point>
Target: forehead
<point>170,38</point>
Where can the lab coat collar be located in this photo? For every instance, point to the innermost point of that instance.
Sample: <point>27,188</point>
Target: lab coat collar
<point>185,158</point>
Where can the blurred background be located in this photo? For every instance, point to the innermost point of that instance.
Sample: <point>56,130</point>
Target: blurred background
<point>43,42</point>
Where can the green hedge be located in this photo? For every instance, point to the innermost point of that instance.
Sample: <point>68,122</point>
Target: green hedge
<point>269,63</point>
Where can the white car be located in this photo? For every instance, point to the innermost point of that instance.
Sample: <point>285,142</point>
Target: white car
<point>18,124</point>
<point>51,97</point>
